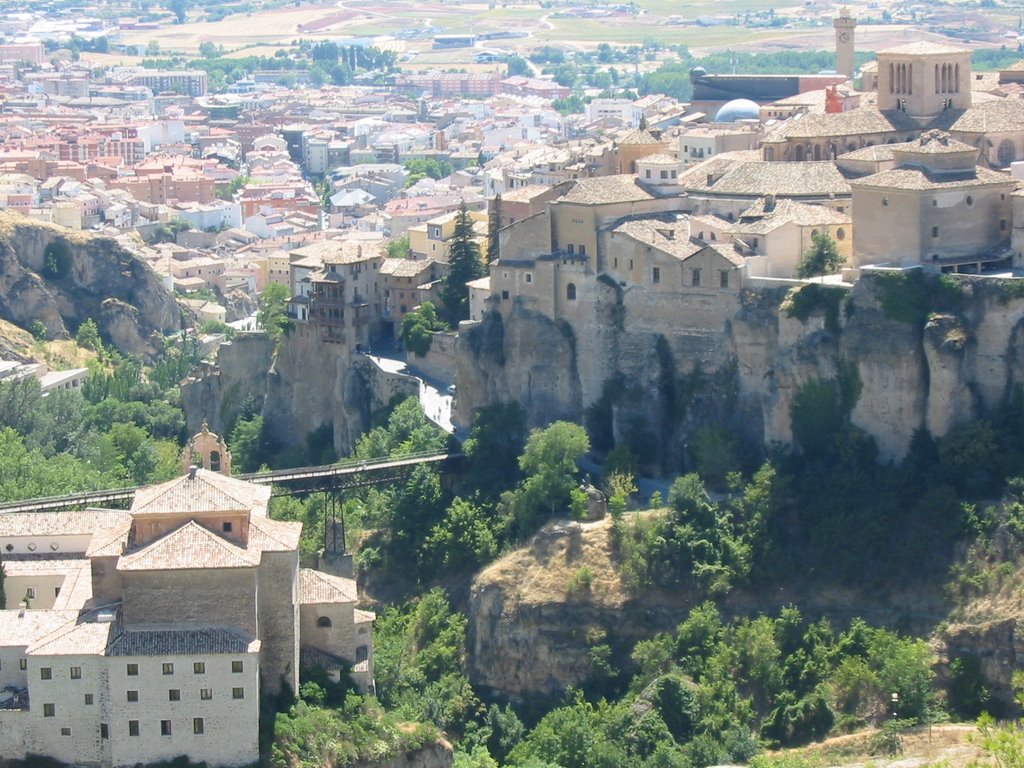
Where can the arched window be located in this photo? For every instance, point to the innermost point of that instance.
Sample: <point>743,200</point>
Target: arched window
<point>1006,153</point>
<point>323,621</point>
<point>570,292</point>
<point>817,152</point>
<point>215,461</point>
<point>799,152</point>
<point>892,79</point>
<point>840,234</point>
<point>956,79</point>
<point>936,78</point>
<point>362,653</point>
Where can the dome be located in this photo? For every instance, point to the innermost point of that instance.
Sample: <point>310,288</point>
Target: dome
<point>738,109</point>
<point>697,72</point>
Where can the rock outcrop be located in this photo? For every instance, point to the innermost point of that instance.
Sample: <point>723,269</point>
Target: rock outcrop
<point>740,363</point>
<point>61,278</point>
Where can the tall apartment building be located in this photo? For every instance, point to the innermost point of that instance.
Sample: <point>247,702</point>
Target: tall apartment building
<point>189,82</point>
<point>149,634</point>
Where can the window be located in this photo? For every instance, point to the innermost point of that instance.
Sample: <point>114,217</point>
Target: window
<point>65,731</point>
<point>165,727</point>
<point>656,275</point>
<point>504,295</point>
<point>1006,153</point>
<point>199,667</point>
<point>723,279</point>
<point>215,461</point>
<point>22,664</point>
<point>570,292</point>
<point>583,250</point>
<point>885,201</point>
<point>133,696</point>
<point>45,673</point>
<point>695,277</point>
<point>571,248</point>
<point>198,727</point>
<point>840,234</point>
<point>226,527</point>
<point>206,694</point>
<point>56,590</point>
<point>133,670</point>
<point>76,673</point>
<point>529,277</point>
<point>104,731</point>
<point>970,200</point>
<point>236,666</point>
<point>49,710</point>
<point>133,727</point>
<point>174,694</point>
<point>362,653</point>
<point>648,173</point>
<point>168,668</point>
<point>935,231</point>
<point>88,699</point>
<point>1002,225</point>
<point>664,174</point>
<point>323,621</point>
<point>30,593</point>
<point>238,693</point>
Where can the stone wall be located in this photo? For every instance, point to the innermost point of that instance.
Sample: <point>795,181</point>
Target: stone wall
<point>439,362</point>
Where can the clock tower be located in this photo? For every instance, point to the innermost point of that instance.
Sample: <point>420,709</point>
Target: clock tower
<point>844,24</point>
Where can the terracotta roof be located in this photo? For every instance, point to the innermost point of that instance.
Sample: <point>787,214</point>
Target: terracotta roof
<point>207,492</point>
<point>188,547</point>
<point>66,523</point>
<point>75,639</point>
<point>918,179</point>
<point>22,628</point>
<point>524,194</point>
<point>841,124</point>
<point>38,565</point>
<point>404,267</point>
<point>623,188</point>
<point>791,211</point>
<point>638,137</point>
<point>728,252</point>
<point>109,542</point>
<point>668,234</point>
<point>935,143</point>
<point>266,535</point>
<point>999,116</point>
<point>180,642</point>
<point>805,179</point>
<point>923,48</point>
<point>317,587</point>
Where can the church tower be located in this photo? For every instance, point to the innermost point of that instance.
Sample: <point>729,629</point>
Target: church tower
<point>844,24</point>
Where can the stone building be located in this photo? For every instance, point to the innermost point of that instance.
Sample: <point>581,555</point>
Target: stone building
<point>169,622</point>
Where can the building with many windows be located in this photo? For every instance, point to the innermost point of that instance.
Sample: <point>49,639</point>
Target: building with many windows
<point>148,634</point>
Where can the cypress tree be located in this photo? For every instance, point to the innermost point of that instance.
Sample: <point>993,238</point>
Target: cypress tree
<point>464,264</point>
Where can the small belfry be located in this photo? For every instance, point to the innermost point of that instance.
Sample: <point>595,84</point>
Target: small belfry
<point>208,451</point>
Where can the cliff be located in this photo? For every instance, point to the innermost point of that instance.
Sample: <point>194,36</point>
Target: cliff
<point>61,278</point>
<point>919,352</point>
<point>303,385</point>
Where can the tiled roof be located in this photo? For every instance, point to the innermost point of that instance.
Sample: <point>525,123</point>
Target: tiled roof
<point>667,234</point>
<point>841,124</point>
<point>623,188</point>
<point>180,642</point>
<point>404,267</point>
<point>266,535</point>
<point>22,628</point>
<point>524,194</point>
<point>1000,116</point>
<point>923,48</point>
<point>728,252</point>
<point>66,523</point>
<point>805,179</point>
<point>875,153</point>
<point>38,565</point>
<point>787,211</point>
<point>638,137</point>
<point>209,492</point>
<point>109,542</point>
<point>318,587</point>
<point>189,547</point>
<point>349,251</point>
<point>75,639</point>
<point>918,179</point>
<point>935,143</point>
<point>661,158</point>
<point>362,617</point>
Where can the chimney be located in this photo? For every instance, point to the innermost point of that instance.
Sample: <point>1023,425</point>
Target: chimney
<point>192,471</point>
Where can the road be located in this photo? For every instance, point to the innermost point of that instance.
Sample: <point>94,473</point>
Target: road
<point>434,397</point>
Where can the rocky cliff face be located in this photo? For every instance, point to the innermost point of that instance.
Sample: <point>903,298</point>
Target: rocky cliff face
<point>303,385</point>
<point>940,355</point>
<point>62,278</point>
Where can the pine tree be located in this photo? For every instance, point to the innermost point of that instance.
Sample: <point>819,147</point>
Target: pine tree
<point>464,265</point>
<point>493,225</point>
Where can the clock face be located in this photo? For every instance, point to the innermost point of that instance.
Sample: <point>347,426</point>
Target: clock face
<point>844,37</point>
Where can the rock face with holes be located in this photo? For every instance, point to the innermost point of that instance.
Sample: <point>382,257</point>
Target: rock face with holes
<point>930,353</point>
<point>60,278</point>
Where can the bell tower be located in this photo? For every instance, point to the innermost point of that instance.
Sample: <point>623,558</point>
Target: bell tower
<point>845,25</point>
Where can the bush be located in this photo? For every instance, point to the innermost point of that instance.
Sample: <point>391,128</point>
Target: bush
<point>57,260</point>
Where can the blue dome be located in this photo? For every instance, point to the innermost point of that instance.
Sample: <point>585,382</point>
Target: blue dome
<point>697,72</point>
<point>738,109</point>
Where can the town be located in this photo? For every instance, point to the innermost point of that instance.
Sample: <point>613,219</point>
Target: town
<point>625,236</point>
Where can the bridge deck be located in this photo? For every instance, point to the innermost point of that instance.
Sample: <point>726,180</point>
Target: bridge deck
<point>303,479</point>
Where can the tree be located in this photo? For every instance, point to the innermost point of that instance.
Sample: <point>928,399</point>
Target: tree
<point>517,65</point>
<point>493,448</point>
<point>464,265</point>
<point>178,8</point>
<point>493,226</point>
<point>88,336</point>
<point>399,249</point>
<point>418,328</point>
<point>153,49</point>
<point>272,314</point>
<point>822,259</point>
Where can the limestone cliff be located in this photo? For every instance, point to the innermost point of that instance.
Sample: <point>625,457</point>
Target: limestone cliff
<point>925,353</point>
<point>303,385</point>
<point>61,278</point>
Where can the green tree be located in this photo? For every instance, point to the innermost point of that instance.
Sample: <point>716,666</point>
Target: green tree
<point>207,50</point>
<point>88,336</point>
<point>464,265</point>
<point>178,8</point>
<point>399,248</point>
<point>822,259</point>
<point>247,444</point>
<point>496,440</point>
<point>418,327</point>
<point>272,314</point>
